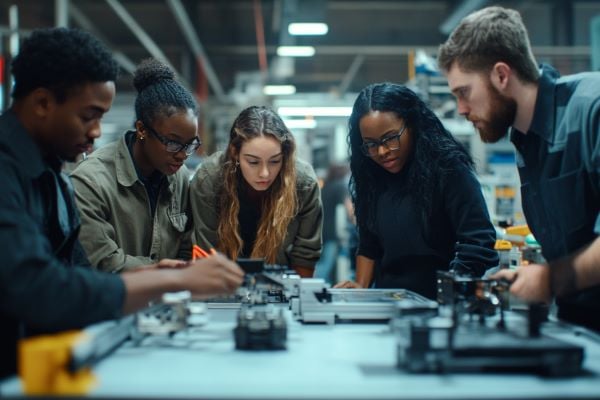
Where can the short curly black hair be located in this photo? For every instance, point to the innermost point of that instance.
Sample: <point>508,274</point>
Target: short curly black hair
<point>60,59</point>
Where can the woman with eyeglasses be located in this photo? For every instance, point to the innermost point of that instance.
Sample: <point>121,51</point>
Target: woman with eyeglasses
<point>256,200</point>
<point>133,194</point>
<point>418,204</point>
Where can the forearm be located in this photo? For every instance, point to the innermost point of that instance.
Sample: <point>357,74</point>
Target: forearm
<point>578,271</point>
<point>364,271</point>
<point>144,286</point>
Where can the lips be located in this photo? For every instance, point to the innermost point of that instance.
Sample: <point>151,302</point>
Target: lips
<point>389,162</point>
<point>85,148</point>
<point>174,167</point>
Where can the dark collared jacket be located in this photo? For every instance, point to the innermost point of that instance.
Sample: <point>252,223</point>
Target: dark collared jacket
<point>46,284</point>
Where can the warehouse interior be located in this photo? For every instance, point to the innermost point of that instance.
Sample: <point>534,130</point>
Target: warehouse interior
<point>282,335</point>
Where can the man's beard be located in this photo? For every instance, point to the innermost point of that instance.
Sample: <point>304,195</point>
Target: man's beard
<point>503,111</point>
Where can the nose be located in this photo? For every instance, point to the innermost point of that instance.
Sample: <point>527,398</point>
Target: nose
<point>264,171</point>
<point>180,155</point>
<point>462,108</point>
<point>382,150</point>
<point>95,131</point>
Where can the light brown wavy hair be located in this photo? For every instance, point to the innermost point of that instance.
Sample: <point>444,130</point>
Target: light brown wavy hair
<point>281,203</point>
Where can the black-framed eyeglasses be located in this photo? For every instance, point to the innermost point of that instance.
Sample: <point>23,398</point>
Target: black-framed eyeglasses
<point>173,146</point>
<point>371,147</point>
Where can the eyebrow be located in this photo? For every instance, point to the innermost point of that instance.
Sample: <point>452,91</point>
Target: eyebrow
<point>175,137</point>
<point>393,131</point>
<point>96,109</point>
<point>461,87</point>
<point>258,158</point>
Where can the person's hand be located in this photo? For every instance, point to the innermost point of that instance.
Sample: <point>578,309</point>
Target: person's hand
<point>530,283</point>
<point>347,285</point>
<point>211,276</point>
<point>165,263</point>
<point>168,263</point>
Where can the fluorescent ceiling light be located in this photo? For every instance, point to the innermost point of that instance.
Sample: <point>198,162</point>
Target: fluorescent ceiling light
<point>274,90</point>
<point>315,111</point>
<point>295,51</point>
<point>300,123</point>
<point>307,28</point>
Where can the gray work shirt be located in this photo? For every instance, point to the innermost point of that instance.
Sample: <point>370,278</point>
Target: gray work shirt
<point>559,166</point>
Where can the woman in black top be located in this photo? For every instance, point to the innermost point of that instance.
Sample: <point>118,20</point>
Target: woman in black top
<point>418,204</point>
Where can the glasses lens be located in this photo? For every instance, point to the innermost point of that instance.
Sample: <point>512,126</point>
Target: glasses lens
<point>393,143</point>
<point>192,147</point>
<point>173,147</point>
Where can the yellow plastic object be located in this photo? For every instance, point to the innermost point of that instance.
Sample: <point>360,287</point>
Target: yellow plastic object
<point>521,230</point>
<point>44,365</point>
<point>503,245</point>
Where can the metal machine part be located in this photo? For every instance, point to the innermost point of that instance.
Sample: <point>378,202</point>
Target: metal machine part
<point>264,329</point>
<point>271,284</point>
<point>448,339</point>
<point>318,303</point>
<point>174,314</point>
<point>102,339</point>
<point>473,295</point>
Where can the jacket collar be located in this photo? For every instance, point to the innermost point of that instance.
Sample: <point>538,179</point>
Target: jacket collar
<point>126,171</point>
<point>543,116</point>
<point>27,153</point>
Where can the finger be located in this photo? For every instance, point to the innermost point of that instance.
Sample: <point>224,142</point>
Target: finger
<point>233,268</point>
<point>508,274</point>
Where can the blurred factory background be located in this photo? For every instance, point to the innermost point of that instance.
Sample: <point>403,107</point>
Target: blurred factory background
<point>234,53</point>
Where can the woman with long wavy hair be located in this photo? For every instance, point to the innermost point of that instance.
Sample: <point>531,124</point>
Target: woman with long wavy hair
<point>418,204</point>
<point>256,199</point>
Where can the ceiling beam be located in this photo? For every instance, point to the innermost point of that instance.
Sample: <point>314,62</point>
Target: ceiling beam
<point>351,73</point>
<point>465,8</point>
<point>193,41</point>
<point>349,50</point>
<point>142,36</point>
<point>84,22</point>
<point>61,13</point>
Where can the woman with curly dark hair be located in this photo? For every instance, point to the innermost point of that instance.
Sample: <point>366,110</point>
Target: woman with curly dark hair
<point>257,199</point>
<point>418,204</point>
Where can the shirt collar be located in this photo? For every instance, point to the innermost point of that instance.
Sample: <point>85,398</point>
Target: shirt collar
<point>127,171</point>
<point>542,124</point>
<point>27,152</point>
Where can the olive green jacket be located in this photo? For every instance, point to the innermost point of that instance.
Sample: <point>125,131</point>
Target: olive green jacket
<point>302,244</point>
<point>118,231</point>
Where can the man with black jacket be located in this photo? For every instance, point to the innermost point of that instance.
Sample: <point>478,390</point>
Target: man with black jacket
<point>64,84</point>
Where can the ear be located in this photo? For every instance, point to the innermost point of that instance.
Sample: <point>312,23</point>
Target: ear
<point>43,102</point>
<point>140,130</point>
<point>500,75</point>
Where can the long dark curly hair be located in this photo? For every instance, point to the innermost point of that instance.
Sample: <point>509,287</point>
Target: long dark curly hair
<point>435,151</point>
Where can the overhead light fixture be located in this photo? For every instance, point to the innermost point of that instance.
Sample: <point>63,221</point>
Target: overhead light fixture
<point>307,28</point>
<point>295,51</point>
<point>278,90</point>
<point>315,111</point>
<point>300,123</point>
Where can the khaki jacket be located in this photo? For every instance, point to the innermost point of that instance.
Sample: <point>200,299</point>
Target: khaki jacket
<point>118,231</point>
<point>302,244</point>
